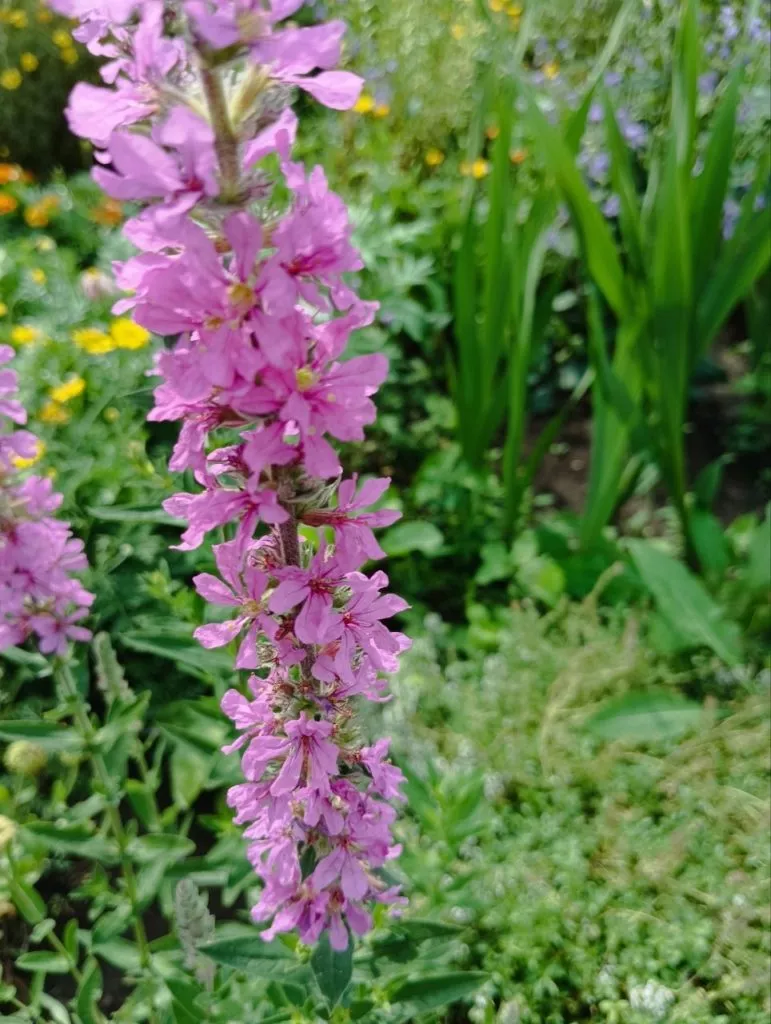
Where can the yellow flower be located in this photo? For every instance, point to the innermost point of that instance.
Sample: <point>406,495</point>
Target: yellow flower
<point>36,215</point>
<point>434,157</point>
<point>68,390</point>
<point>11,79</point>
<point>514,11</point>
<point>61,37</point>
<point>493,132</point>
<point>3,309</point>
<point>480,168</point>
<point>25,335</point>
<point>18,19</point>
<point>93,341</point>
<point>69,55</point>
<point>381,110</point>
<point>54,413</point>
<point>496,6</point>
<point>38,275</point>
<point>7,203</point>
<point>551,70</point>
<point>365,104</point>
<point>45,244</point>
<point>518,156</point>
<point>9,172</point>
<point>40,449</point>
<point>29,61</point>
<point>126,334</point>
<point>457,31</point>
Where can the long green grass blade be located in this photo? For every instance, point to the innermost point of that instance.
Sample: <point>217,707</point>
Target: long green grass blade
<point>466,375</point>
<point>596,239</point>
<point>685,83</point>
<point>624,187</point>
<point>672,292</point>
<point>709,189</point>
<point>736,272</point>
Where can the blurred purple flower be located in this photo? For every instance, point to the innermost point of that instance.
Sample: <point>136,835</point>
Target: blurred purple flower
<point>612,206</point>
<point>595,113</point>
<point>708,83</point>
<point>612,79</point>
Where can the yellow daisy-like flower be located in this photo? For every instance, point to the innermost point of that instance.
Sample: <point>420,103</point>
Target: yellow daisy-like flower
<point>25,335</point>
<point>93,341</point>
<point>381,110</point>
<point>61,37</point>
<point>514,11</point>
<point>3,309</point>
<point>68,390</point>
<point>480,169</point>
<point>40,449</point>
<point>457,31</point>
<point>69,55</point>
<point>18,19</point>
<point>29,62</point>
<point>38,275</point>
<point>11,79</point>
<point>496,6</point>
<point>37,215</point>
<point>126,334</point>
<point>45,244</point>
<point>55,413</point>
<point>8,203</point>
<point>551,70</point>
<point>365,104</point>
<point>434,157</point>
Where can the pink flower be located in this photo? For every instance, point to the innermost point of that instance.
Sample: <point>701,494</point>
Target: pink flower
<point>354,540</point>
<point>244,589</point>
<point>313,588</point>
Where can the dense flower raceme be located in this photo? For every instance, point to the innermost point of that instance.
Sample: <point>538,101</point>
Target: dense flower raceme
<point>242,264</point>
<point>39,596</point>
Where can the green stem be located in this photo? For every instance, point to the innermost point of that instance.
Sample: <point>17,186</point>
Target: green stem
<point>88,734</point>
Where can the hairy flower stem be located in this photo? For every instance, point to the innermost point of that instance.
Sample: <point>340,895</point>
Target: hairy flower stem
<point>88,734</point>
<point>225,141</point>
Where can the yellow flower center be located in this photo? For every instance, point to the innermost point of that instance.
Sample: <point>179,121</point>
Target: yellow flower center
<point>305,378</point>
<point>241,296</point>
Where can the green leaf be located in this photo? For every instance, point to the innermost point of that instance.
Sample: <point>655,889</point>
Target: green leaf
<point>89,994</point>
<point>757,574</point>
<point>737,270</point>
<point>190,769</point>
<point>332,969</point>
<point>120,953</point>
<point>51,963</point>
<point>645,717</point>
<point>147,849</point>
<point>709,190</point>
<point>140,797</point>
<point>27,901</point>
<point>709,542</point>
<point>684,603</point>
<point>596,239</point>
<point>685,84</point>
<point>150,514</point>
<point>49,735</point>
<point>406,538</point>
<point>184,651</point>
<point>437,991</point>
<point>77,839</point>
<point>250,953</point>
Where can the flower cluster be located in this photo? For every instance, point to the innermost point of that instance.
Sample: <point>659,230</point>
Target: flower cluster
<point>39,596</point>
<point>242,268</point>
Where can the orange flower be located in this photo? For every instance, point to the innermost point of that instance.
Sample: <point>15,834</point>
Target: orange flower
<point>109,213</point>
<point>7,203</point>
<point>518,156</point>
<point>9,172</point>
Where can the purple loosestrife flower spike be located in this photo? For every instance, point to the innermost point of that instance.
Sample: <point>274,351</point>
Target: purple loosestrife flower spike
<point>194,123</point>
<point>39,596</point>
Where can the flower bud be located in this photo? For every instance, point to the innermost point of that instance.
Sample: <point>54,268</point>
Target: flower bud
<point>25,758</point>
<point>7,831</point>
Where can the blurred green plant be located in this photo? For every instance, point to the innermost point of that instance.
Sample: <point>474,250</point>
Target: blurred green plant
<point>671,284</point>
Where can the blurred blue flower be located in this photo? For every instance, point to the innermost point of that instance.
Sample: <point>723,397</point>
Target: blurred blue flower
<point>595,113</point>
<point>708,83</point>
<point>731,211</point>
<point>612,79</point>
<point>599,165</point>
<point>612,206</point>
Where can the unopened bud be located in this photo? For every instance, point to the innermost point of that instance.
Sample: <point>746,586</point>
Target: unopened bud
<point>25,758</point>
<point>7,831</point>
